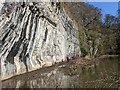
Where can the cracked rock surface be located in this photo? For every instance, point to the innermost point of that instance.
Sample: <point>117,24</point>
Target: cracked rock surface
<point>35,35</point>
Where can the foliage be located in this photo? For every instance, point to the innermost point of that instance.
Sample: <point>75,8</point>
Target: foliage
<point>96,37</point>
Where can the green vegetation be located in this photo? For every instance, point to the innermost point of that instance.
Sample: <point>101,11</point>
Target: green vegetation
<point>96,37</point>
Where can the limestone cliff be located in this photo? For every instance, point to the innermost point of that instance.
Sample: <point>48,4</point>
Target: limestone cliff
<point>35,35</point>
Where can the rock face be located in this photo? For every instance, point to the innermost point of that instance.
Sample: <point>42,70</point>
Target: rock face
<point>35,35</point>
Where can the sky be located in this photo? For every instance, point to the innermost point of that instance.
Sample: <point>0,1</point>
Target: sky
<point>106,7</point>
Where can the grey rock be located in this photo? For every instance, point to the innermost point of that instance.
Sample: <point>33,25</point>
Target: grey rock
<point>33,36</point>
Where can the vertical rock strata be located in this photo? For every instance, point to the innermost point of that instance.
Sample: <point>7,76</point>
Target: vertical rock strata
<point>35,35</point>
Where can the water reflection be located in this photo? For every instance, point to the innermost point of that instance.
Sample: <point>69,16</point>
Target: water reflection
<point>103,73</point>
